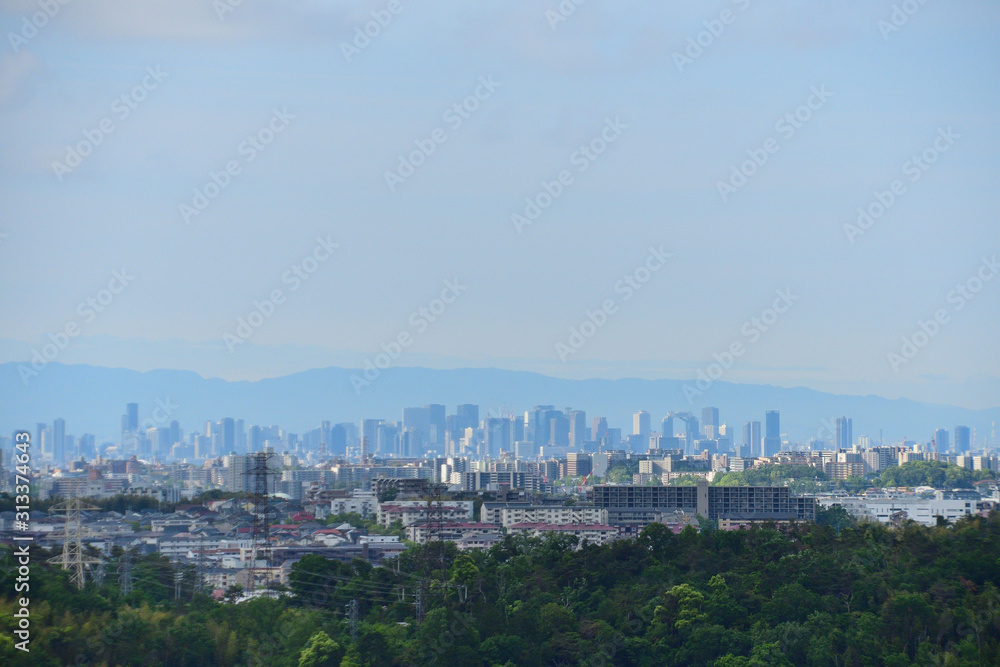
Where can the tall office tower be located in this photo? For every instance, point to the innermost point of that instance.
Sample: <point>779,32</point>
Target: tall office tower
<point>845,432</point>
<point>540,421</point>
<point>163,442</point>
<point>45,443</point>
<point>324,434</point>
<point>410,440</point>
<point>962,441</point>
<point>350,433</point>
<point>559,430</point>
<point>468,417</point>
<point>497,434</point>
<point>667,427</point>
<point>772,433</point>
<point>337,445</point>
<point>941,440</point>
<point>751,439</point>
<point>598,428</point>
<point>691,434</point>
<point>516,429</point>
<point>255,440</point>
<point>88,449</point>
<point>132,416</point>
<point>387,440</point>
<point>418,419</point>
<point>640,424</point>
<point>175,431</point>
<point>227,433</point>
<point>577,428</point>
<point>58,440</point>
<point>40,430</point>
<point>369,435</point>
<point>435,423</point>
<point>710,422</point>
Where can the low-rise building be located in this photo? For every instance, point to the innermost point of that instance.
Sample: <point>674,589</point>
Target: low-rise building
<point>588,533</point>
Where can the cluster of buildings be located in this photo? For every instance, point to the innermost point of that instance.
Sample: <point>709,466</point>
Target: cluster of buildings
<point>421,478</point>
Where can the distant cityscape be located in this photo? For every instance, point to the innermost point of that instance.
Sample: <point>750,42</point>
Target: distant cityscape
<point>546,471</point>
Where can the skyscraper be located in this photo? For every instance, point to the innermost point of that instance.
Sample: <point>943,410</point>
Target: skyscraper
<point>227,431</point>
<point>418,419</point>
<point>941,440</point>
<point>710,422</point>
<point>962,439</point>
<point>558,429</point>
<point>577,428</point>
<point>58,440</point>
<point>772,432</point>
<point>369,435</point>
<point>497,434</point>
<point>132,416</point>
<point>255,442</point>
<point>468,417</point>
<point>667,427</point>
<point>751,439</point>
<point>435,425</point>
<point>598,428</point>
<point>845,432</point>
<point>540,420</point>
<point>387,440</point>
<point>640,424</point>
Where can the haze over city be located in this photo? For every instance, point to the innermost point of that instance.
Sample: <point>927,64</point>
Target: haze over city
<point>499,334</point>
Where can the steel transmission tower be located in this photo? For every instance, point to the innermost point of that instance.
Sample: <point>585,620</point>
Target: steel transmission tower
<point>125,573</point>
<point>352,617</point>
<point>257,484</point>
<point>72,557</point>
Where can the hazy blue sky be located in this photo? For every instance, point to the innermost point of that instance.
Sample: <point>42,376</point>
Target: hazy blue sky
<point>892,95</point>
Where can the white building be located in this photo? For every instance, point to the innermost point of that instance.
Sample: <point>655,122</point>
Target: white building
<point>948,505</point>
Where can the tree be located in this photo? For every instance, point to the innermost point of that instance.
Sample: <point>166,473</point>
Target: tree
<point>321,651</point>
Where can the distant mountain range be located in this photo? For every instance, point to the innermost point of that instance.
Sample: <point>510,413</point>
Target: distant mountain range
<point>91,400</point>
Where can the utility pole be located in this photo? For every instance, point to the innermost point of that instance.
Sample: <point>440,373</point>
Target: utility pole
<point>178,578</point>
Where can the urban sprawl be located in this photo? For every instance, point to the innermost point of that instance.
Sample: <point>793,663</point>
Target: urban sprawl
<point>240,505</point>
